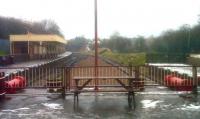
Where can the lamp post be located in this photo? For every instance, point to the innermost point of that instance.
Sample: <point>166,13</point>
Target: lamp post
<point>187,30</point>
<point>189,39</point>
<point>96,45</point>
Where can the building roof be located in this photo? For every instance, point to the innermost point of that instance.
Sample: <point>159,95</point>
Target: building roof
<point>37,38</point>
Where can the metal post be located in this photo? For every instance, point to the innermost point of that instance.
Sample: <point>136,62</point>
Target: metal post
<point>11,48</point>
<point>189,38</point>
<point>194,73</point>
<point>28,46</point>
<point>130,70</point>
<point>96,46</point>
<point>64,78</point>
<point>137,72</point>
<point>189,41</point>
<point>68,78</point>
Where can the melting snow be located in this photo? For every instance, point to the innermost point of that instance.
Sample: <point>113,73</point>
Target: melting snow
<point>161,87</point>
<point>25,108</point>
<point>15,110</point>
<point>190,107</point>
<point>9,110</point>
<point>149,103</point>
<point>53,105</point>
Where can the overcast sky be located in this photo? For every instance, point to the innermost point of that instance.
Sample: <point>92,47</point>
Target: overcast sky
<point>128,17</point>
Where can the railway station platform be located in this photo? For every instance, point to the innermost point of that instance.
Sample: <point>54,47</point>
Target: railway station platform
<point>31,64</point>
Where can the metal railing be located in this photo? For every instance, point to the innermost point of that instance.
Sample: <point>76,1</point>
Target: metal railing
<point>174,77</point>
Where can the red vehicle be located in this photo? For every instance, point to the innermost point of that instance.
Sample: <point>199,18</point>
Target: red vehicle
<point>178,83</point>
<point>17,83</point>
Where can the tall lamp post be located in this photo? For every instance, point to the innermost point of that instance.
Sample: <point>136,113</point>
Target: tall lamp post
<point>189,35</point>
<point>187,29</point>
<point>96,45</point>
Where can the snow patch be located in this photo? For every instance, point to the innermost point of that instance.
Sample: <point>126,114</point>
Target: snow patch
<point>161,87</point>
<point>190,107</point>
<point>150,103</point>
<point>53,105</point>
<point>24,108</point>
<point>9,110</point>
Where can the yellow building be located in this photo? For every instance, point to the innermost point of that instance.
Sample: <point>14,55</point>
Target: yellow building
<point>37,45</point>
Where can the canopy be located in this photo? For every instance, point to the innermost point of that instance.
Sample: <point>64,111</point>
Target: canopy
<point>37,38</point>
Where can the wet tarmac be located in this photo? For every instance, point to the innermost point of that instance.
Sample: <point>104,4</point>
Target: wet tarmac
<point>101,106</point>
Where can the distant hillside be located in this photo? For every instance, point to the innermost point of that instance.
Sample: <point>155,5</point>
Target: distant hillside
<point>16,26</point>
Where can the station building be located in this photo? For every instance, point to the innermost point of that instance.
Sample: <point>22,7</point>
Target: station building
<point>37,46</point>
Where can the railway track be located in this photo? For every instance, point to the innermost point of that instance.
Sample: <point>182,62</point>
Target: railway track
<point>54,71</point>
